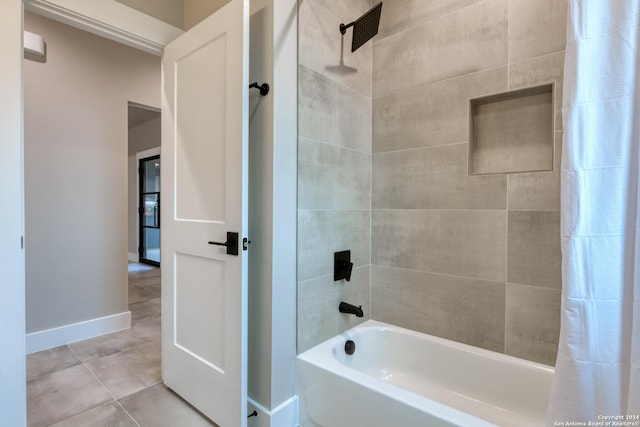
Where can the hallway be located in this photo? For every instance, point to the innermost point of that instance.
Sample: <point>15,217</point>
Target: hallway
<point>111,380</point>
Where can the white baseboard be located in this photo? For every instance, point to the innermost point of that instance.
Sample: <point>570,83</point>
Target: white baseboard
<point>49,338</point>
<point>133,257</point>
<point>285,415</point>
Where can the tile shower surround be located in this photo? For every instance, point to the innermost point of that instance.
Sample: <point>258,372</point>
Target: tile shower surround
<point>334,168</point>
<point>475,259</point>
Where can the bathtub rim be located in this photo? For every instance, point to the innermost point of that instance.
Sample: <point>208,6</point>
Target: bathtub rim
<point>467,348</point>
<point>321,356</point>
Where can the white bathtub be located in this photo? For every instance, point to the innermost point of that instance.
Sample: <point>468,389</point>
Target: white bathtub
<point>398,378</point>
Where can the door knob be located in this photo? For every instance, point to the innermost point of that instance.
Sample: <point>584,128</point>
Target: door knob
<point>231,243</point>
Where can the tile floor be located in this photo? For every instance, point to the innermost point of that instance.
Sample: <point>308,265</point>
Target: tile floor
<point>112,380</point>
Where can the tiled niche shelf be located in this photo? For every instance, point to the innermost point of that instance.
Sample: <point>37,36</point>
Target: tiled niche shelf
<point>512,131</point>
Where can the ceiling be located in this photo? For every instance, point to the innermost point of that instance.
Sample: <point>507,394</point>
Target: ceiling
<point>139,115</point>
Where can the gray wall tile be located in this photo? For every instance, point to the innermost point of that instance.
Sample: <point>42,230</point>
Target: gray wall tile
<point>536,28</point>
<point>433,178</point>
<point>457,308</point>
<point>537,191</point>
<point>318,300</point>
<point>323,49</point>
<point>463,243</point>
<point>540,70</point>
<point>433,114</point>
<point>400,15</point>
<point>321,233</point>
<point>332,113</point>
<point>331,177</point>
<point>346,11</point>
<point>428,60</point>
<point>534,256</point>
<point>462,42</point>
<point>533,323</point>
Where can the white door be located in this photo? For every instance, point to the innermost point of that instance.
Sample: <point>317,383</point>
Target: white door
<point>204,179</point>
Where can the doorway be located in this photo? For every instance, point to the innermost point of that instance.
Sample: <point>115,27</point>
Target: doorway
<point>149,210</point>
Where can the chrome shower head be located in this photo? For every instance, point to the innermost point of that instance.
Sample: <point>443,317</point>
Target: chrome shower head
<point>365,27</point>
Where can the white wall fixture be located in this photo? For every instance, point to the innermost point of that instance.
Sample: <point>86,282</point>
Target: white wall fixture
<point>34,47</point>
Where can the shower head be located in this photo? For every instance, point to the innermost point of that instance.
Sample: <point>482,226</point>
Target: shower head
<point>364,28</point>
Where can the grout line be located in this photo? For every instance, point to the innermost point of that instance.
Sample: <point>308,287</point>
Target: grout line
<point>110,393</point>
<point>339,84</point>
<point>537,287</point>
<point>453,276</point>
<point>439,81</point>
<point>439,210</point>
<point>555,52</point>
<point>331,210</point>
<point>128,413</point>
<point>331,144</point>
<point>371,202</point>
<point>428,147</point>
<point>506,264</point>
<point>421,22</point>
<point>508,45</point>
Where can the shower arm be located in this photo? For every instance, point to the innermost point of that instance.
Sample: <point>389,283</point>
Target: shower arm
<point>343,27</point>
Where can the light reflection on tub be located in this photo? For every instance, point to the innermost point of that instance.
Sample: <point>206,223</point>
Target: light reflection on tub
<point>398,377</point>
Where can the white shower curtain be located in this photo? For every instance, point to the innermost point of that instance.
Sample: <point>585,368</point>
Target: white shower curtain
<point>598,365</point>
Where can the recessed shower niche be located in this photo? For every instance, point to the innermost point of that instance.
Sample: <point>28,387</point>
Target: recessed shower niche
<point>512,131</point>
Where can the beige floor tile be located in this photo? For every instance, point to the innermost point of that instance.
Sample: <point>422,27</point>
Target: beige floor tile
<point>128,372</point>
<point>109,415</point>
<point>47,361</point>
<point>145,308</point>
<point>141,292</point>
<point>106,345</point>
<point>62,394</point>
<point>147,328</point>
<point>157,406</point>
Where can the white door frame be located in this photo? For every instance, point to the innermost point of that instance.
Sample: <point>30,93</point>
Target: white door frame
<point>12,285</point>
<point>109,19</point>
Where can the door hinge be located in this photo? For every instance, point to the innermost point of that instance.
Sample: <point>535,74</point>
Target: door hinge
<point>21,242</point>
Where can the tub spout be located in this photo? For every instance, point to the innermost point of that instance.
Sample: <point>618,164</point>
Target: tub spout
<point>345,307</point>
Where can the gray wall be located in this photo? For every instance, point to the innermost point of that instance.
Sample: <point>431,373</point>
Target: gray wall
<point>76,172</point>
<point>475,259</point>
<point>334,157</point>
<point>142,137</point>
